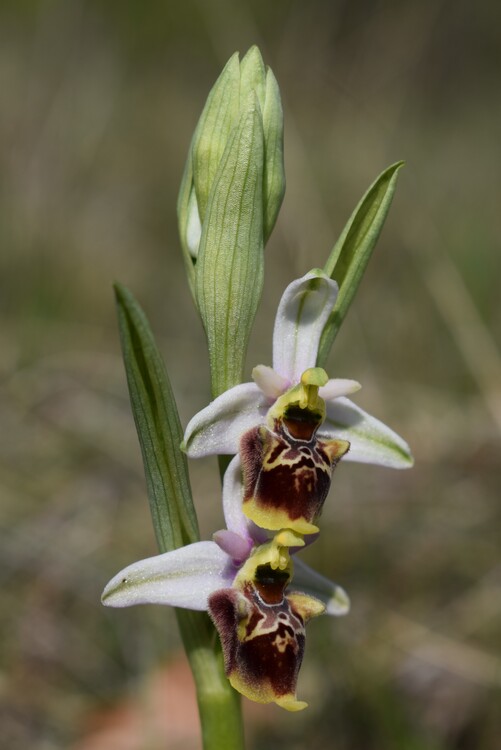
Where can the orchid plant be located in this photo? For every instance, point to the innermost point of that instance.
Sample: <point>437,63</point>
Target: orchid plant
<point>287,430</point>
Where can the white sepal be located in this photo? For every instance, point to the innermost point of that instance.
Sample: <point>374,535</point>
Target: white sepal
<point>301,316</point>
<point>371,441</point>
<point>184,577</point>
<point>217,429</point>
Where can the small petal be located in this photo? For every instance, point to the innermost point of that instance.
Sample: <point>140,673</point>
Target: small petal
<point>216,430</point>
<point>184,577</point>
<point>307,606</point>
<point>371,441</point>
<point>338,387</point>
<point>301,316</point>
<point>308,580</point>
<point>233,544</point>
<point>270,382</point>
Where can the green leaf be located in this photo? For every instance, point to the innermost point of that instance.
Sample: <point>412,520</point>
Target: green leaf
<point>230,264</point>
<point>350,255</point>
<point>158,428</point>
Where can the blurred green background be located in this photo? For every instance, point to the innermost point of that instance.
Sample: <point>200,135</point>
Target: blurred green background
<point>98,102</point>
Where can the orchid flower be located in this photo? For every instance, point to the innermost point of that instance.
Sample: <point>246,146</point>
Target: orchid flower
<point>293,424</point>
<point>243,579</point>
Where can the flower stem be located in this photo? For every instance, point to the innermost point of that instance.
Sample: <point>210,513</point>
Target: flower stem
<point>218,703</point>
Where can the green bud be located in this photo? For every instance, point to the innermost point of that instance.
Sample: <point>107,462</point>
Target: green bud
<point>219,117</point>
<point>232,189</point>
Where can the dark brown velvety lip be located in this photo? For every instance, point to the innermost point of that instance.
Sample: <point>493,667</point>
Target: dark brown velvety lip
<point>270,653</point>
<point>301,424</point>
<point>270,584</point>
<point>285,474</point>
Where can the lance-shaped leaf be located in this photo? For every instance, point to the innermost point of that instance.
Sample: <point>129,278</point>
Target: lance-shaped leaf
<point>158,428</point>
<point>229,274</point>
<point>350,255</point>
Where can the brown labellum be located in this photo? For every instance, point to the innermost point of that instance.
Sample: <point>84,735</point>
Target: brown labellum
<point>263,637</point>
<point>287,473</point>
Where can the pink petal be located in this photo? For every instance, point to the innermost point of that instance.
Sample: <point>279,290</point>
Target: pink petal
<point>338,387</point>
<point>270,382</point>
<point>233,544</point>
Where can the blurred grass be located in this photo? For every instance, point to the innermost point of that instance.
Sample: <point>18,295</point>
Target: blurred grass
<point>98,103</point>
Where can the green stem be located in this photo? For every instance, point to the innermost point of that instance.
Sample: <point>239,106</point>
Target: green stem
<point>218,703</point>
